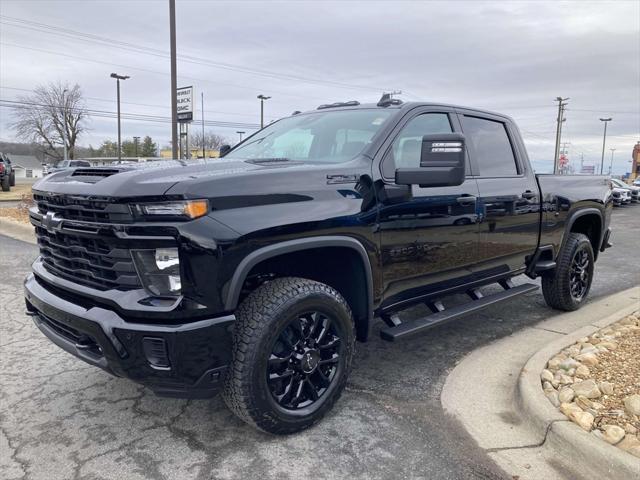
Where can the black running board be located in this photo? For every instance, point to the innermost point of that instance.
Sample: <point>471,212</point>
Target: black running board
<point>413,327</point>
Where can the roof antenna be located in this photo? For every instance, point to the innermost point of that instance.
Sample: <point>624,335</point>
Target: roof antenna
<point>387,99</point>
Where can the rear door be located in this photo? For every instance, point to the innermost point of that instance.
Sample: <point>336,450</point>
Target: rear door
<point>430,240</point>
<point>509,201</point>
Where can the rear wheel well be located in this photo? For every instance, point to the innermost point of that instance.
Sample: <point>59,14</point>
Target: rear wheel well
<point>339,267</point>
<point>591,226</point>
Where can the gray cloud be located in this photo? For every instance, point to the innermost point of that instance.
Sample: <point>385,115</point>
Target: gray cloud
<point>513,57</point>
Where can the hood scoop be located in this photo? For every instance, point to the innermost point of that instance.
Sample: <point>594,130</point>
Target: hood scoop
<point>92,175</point>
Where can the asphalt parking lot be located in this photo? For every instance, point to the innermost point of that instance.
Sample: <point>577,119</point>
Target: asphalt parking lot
<point>62,419</point>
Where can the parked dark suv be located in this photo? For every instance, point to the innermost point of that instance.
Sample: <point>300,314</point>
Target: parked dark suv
<point>254,274</point>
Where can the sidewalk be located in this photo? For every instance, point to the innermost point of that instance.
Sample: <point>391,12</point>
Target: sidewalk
<point>17,230</point>
<point>491,393</point>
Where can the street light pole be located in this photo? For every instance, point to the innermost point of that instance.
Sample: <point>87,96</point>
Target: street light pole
<point>262,99</point>
<point>604,141</point>
<point>174,80</point>
<point>240,133</point>
<point>611,164</point>
<point>118,78</point>
<point>135,144</point>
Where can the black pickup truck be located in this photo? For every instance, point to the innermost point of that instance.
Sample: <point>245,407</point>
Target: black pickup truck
<point>255,273</point>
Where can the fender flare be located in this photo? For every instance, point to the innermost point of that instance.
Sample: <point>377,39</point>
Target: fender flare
<point>244,267</point>
<point>581,213</point>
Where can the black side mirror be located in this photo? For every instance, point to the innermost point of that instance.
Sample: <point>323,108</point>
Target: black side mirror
<point>442,162</point>
<point>224,149</point>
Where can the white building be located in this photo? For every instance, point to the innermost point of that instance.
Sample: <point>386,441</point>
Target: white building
<point>26,166</point>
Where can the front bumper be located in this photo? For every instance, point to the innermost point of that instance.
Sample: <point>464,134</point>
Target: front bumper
<point>187,360</point>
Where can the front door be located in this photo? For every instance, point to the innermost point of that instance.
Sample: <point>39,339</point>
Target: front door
<point>430,239</point>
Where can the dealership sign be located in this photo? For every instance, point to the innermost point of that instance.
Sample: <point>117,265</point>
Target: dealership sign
<point>185,104</point>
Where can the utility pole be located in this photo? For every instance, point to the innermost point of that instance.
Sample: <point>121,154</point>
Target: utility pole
<point>604,140</point>
<point>561,104</point>
<point>581,161</point>
<point>204,155</point>
<point>174,80</point>
<point>240,133</point>
<point>611,164</point>
<point>118,78</point>
<point>262,99</point>
<point>135,144</point>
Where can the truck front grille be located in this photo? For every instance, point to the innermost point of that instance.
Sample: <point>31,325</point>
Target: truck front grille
<point>82,208</point>
<point>87,261</point>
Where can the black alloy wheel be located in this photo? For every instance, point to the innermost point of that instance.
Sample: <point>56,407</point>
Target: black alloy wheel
<point>580,275</point>
<point>304,360</point>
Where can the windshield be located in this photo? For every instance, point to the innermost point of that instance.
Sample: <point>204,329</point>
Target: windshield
<point>619,183</point>
<point>322,137</point>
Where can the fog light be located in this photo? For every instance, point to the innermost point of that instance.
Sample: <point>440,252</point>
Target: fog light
<point>159,270</point>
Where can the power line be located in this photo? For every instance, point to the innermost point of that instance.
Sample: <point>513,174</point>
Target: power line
<point>129,116</point>
<point>86,37</point>
<point>131,67</point>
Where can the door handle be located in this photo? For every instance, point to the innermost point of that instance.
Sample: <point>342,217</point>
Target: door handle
<point>529,194</point>
<point>466,200</point>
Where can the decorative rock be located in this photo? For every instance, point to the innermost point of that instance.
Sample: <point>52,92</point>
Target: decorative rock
<point>566,395</point>
<point>562,379</point>
<point>606,388</point>
<point>546,376</point>
<point>553,398</point>
<point>568,364</point>
<point>631,444</point>
<point>583,419</point>
<point>567,408</point>
<point>630,429</point>
<point>609,345</point>
<point>587,388</point>
<point>547,387</point>
<point>589,359</point>
<point>613,434</point>
<point>555,362</point>
<point>583,402</point>
<point>632,404</point>
<point>583,371</point>
<point>584,340</point>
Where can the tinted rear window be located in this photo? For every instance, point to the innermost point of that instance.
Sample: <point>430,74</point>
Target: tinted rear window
<point>490,144</point>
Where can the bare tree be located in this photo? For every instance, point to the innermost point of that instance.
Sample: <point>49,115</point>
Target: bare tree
<point>212,141</point>
<point>54,115</point>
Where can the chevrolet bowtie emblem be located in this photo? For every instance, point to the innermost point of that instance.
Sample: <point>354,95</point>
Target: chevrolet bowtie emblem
<point>51,221</point>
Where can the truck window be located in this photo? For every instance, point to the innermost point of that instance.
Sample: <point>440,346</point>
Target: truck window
<point>490,144</point>
<point>407,147</point>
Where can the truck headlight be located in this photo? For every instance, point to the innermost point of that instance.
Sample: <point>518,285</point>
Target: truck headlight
<point>159,270</point>
<point>180,208</point>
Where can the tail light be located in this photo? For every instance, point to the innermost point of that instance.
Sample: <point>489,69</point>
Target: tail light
<point>1,167</point>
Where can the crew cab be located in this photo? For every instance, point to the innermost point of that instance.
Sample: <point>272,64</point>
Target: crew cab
<point>256,273</point>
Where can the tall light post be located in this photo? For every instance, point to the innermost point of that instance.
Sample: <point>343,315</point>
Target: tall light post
<point>604,141</point>
<point>262,99</point>
<point>135,144</point>
<point>64,124</point>
<point>118,78</point>
<point>240,133</point>
<point>611,164</point>
<point>174,79</point>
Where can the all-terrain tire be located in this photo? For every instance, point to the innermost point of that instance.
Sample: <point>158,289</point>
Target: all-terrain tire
<point>557,284</point>
<point>12,179</point>
<point>6,185</point>
<point>261,319</point>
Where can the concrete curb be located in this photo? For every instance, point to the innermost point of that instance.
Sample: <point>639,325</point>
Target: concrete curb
<point>17,230</point>
<point>564,436</point>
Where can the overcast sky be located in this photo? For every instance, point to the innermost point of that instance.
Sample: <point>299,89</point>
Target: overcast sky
<point>512,57</point>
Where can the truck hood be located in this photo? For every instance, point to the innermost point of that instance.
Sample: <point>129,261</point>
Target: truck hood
<point>192,179</point>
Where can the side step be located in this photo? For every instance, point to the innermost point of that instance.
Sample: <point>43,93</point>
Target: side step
<point>407,329</point>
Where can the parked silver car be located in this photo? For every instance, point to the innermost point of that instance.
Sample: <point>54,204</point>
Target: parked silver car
<point>633,190</point>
